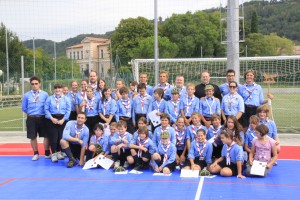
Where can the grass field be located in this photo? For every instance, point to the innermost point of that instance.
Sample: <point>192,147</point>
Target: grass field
<point>286,109</point>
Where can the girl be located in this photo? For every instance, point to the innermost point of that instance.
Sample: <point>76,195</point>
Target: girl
<point>107,107</point>
<point>142,123</point>
<point>213,135</point>
<point>142,148</point>
<point>200,152</point>
<point>237,130</point>
<point>165,126</point>
<point>100,86</point>
<point>164,160</point>
<point>262,149</point>
<point>262,113</point>
<point>250,133</point>
<point>133,89</point>
<point>180,141</point>
<point>230,164</point>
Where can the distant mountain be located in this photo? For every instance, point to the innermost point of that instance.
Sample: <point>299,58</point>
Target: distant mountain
<point>48,45</point>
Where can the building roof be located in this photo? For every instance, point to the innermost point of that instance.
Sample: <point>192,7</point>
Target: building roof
<point>101,41</point>
<point>75,46</point>
<point>95,39</point>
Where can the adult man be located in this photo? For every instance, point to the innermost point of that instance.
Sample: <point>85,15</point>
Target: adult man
<point>143,79</point>
<point>200,89</point>
<point>163,83</point>
<point>179,81</point>
<point>230,76</point>
<point>75,139</point>
<point>33,105</point>
<point>93,80</point>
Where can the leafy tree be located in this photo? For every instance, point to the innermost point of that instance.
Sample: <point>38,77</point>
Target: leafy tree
<point>145,49</point>
<point>254,22</point>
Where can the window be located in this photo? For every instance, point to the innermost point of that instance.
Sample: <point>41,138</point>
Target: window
<point>74,54</point>
<point>70,55</point>
<point>81,54</point>
<point>78,55</point>
<point>101,53</point>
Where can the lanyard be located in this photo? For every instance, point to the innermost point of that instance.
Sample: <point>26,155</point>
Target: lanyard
<point>35,95</point>
<point>143,144</point>
<point>178,136</point>
<point>78,131</point>
<point>228,153</point>
<point>210,105</point>
<point>127,105</point>
<point>189,104</point>
<point>165,151</point>
<point>175,104</point>
<point>202,149</point>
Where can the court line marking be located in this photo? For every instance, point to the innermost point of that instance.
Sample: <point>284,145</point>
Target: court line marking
<point>199,189</point>
<point>11,120</point>
<point>6,182</point>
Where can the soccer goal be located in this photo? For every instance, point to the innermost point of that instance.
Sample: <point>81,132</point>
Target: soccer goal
<point>286,68</point>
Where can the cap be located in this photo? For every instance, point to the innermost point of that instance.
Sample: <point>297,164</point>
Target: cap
<point>165,135</point>
<point>209,87</point>
<point>175,91</point>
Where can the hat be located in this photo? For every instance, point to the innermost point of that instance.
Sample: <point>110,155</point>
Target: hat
<point>204,172</point>
<point>175,91</point>
<point>209,87</point>
<point>165,135</point>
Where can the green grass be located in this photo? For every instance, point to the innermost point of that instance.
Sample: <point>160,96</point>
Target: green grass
<point>285,108</point>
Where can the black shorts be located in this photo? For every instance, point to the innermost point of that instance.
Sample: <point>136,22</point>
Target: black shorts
<point>75,149</point>
<point>36,125</point>
<point>217,150</point>
<point>170,166</point>
<point>73,115</point>
<point>144,154</point>
<point>179,153</point>
<point>197,161</point>
<point>232,166</point>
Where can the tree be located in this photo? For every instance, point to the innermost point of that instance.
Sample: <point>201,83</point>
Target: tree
<point>145,49</point>
<point>128,34</point>
<point>254,22</point>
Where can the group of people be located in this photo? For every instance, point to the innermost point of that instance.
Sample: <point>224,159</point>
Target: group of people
<point>219,128</point>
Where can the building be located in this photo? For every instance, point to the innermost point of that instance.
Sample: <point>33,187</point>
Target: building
<point>92,54</point>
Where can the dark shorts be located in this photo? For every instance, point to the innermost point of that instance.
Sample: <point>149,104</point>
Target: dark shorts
<point>232,166</point>
<point>217,150</point>
<point>36,125</point>
<point>144,154</point>
<point>73,115</point>
<point>75,149</point>
<point>197,161</point>
<point>170,166</point>
<point>179,153</point>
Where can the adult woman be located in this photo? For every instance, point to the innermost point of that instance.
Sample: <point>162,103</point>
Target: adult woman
<point>72,96</point>
<point>100,85</point>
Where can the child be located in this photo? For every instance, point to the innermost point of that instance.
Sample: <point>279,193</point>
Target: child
<point>120,144</point>
<point>189,104</point>
<point>164,160</point>
<point>124,109</point>
<point>165,126</point>
<point>159,104</point>
<point>209,105</point>
<point>141,104</point>
<point>98,139</point>
<point>234,126</point>
<point>113,127</point>
<point>230,164</point>
<point>142,148</point>
<point>107,107</point>
<point>142,123</point>
<point>262,113</point>
<point>213,135</point>
<point>192,129</point>
<point>250,133</point>
<point>262,149</point>
<point>173,106</point>
<point>133,89</point>
<point>180,141</point>
<point>200,152</point>
<point>143,79</point>
<point>65,90</point>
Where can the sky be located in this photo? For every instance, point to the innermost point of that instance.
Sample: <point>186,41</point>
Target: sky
<point>58,20</point>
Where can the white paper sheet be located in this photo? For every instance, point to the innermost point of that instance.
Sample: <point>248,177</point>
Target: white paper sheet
<point>258,168</point>
<point>155,119</point>
<point>90,164</point>
<point>189,173</point>
<point>135,172</point>
<point>104,162</point>
<point>161,174</point>
<point>125,172</point>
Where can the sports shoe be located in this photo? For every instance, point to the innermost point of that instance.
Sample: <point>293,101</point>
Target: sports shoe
<point>48,157</point>
<point>60,156</point>
<point>119,169</point>
<point>54,157</point>
<point>71,163</point>
<point>35,157</point>
<point>204,172</point>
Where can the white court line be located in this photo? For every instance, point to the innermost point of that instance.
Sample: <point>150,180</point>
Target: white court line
<point>199,190</point>
<point>10,120</point>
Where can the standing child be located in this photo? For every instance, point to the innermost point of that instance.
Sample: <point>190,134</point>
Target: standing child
<point>143,79</point>
<point>120,144</point>
<point>107,107</point>
<point>189,104</point>
<point>98,143</point>
<point>180,141</point>
<point>250,133</point>
<point>142,148</point>
<point>158,104</point>
<point>192,129</point>
<point>230,164</point>
<point>213,135</point>
<point>133,89</point>
<point>262,149</point>
<point>165,126</point>
<point>174,106</point>
<point>124,109</point>
<point>209,105</point>
<point>164,160</point>
<point>200,153</point>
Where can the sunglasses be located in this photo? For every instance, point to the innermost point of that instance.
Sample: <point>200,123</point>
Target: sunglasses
<point>34,83</point>
<point>232,87</point>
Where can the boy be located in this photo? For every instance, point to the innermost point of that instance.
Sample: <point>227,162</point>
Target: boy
<point>141,104</point>
<point>213,135</point>
<point>209,105</point>
<point>173,106</point>
<point>165,126</point>
<point>143,79</point>
<point>124,109</point>
<point>164,160</point>
<point>142,149</point>
<point>189,104</point>
<point>250,133</point>
<point>120,144</point>
<point>75,139</point>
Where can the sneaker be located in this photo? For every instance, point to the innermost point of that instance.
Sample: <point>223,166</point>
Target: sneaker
<point>54,157</point>
<point>35,157</point>
<point>126,164</point>
<point>71,163</point>
<point>48,157</point>
<point>119,169</point>
<point>60,156</point>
